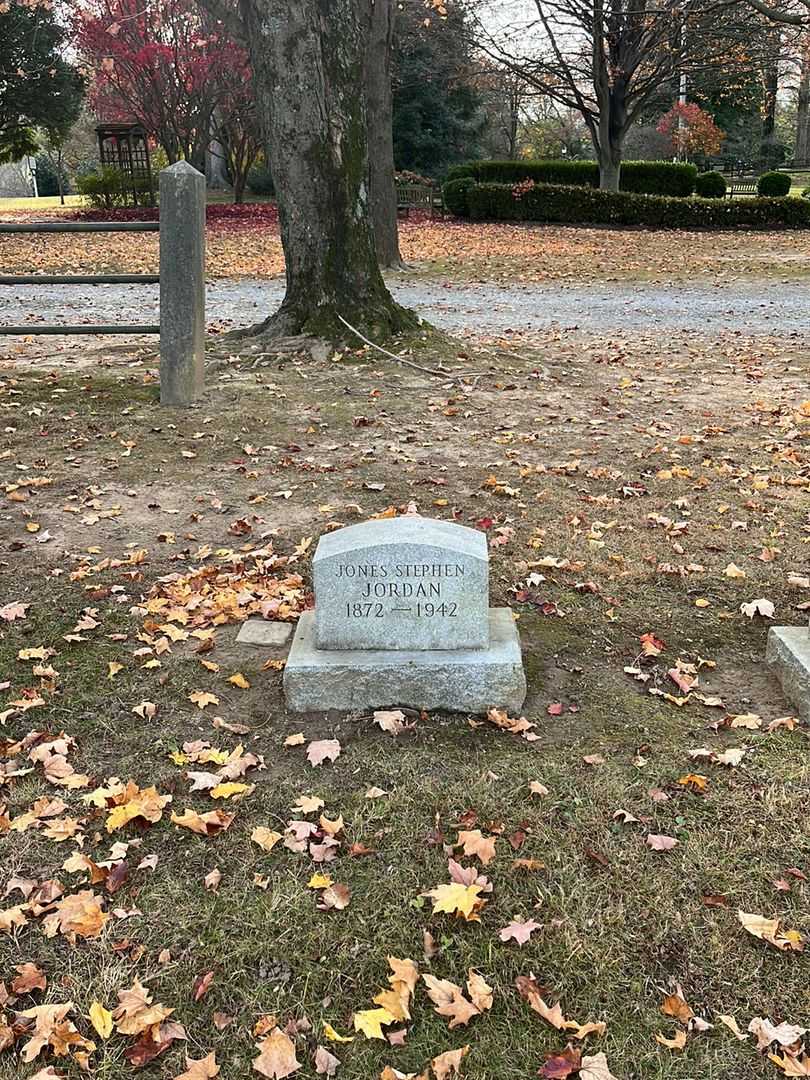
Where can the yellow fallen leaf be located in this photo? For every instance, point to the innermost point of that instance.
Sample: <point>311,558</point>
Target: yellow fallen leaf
<point>456,899</point>
<point>370,1022</point>
<point>319,881</point>
<point>265,838</point>
<point>333,1036</point>
<point>101,1019</point>
<point>238,679</point>
<point>229,789</point>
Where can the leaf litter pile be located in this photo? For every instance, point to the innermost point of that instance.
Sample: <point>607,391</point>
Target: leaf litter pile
<point>196,884</point>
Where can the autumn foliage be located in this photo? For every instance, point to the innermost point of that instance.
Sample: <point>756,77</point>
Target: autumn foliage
<point>183,80</point>
<point>691,130</point>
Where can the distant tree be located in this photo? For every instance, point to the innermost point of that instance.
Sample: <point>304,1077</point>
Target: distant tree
<point>438,116</point>
<point>38,87</point>
<point>169,66</point>
<point>691,131</point>
<point>610,59</point>
<point>67,154</point>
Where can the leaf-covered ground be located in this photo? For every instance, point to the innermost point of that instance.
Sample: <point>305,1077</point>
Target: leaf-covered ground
<point>635,494</point>
<point>244,241</point>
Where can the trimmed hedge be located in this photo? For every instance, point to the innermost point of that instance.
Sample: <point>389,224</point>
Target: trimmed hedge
<point>577,205</point>
<point>711,185</point>
<point>774,184</point>
<point>454,194</point>
<point>642,177</point>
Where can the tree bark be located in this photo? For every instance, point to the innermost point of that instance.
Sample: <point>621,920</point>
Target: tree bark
<point>308,63</point>
<point>801,154</point>
<point>380,111</point>
<point>770,79</point>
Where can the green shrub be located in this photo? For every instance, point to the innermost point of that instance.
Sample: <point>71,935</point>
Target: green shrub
<point>460,172</point>
<point>260,181</point>
<point>642,177</point>
<point>773,184</point>
<point>578,205</point>
<point>104,189</point>
<point>454,194</point>
<point>710,185</point>
<point>806,193</point>
<point>658,178</point>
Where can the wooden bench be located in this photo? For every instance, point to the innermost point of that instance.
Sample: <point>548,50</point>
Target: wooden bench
<point>419,197</point>
<point>742,187</point>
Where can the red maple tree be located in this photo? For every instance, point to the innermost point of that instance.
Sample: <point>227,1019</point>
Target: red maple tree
<point>691,130</point>
<point>163,65</point>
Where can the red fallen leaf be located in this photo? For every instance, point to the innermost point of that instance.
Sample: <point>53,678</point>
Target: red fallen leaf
<point>146,1049</point>
<point>651,645</point>
<point>201,985</point>
<point>598,857</point>
<point>561,1065</point>
<point>555,708</point>
<point>357,849</point>
<point>794,871</point>
<point>117,877</point>
<point>517,839</point>
<point>684,682</point>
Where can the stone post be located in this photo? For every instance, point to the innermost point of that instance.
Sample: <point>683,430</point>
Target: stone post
<point>182,284</point>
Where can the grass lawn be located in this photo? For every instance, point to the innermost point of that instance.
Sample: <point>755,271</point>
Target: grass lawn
<point>44,202</point>
<point>652,488</point>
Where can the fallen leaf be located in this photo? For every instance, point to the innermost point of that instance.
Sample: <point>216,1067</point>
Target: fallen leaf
<point>202,1069</point>
<point>326,1064</point>
<point>677,1042</point>
<point>449,1001</point>
<point>519,930</point>
<point>276,1056</point>
<point>101,1019</point>
<point>659,842</point>
<point>449,1063</point>
<point>476,844</point>
<point>768,930</point>
<point>323,750</point>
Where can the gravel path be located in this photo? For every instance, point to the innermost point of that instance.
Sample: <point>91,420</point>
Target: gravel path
<point>751,308</point>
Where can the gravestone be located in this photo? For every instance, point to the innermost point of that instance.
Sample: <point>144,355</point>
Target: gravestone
<point>402,617</point>
<point>788,656</point>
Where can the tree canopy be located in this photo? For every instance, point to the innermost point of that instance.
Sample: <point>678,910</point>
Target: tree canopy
<point>38,87</point>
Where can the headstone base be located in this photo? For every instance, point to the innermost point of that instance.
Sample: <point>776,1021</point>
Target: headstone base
<point>453,680</point>
<point>788,655</point>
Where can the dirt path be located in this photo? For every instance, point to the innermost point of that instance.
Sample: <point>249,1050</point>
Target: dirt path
<point>750,308</point>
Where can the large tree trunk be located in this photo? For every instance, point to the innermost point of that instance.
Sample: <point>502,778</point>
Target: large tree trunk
<point>380,110</point>
<point>801,154</point>
<point>770,80</point>
<point>308,63</point>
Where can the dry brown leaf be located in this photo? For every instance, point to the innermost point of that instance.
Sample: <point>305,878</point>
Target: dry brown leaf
<point>202,1069</point>
<point>476,844</point>
<point>29,977</point>
<point>449,1001</point>
<point>480,992</point>
<point>323,750</point>
<point>677,1042</point>
<point>326,1064</point>
<point>276,1056</point>
<point>449,1063</point>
